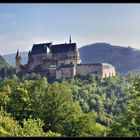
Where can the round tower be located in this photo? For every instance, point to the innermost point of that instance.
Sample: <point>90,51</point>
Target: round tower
<point>18,60</point>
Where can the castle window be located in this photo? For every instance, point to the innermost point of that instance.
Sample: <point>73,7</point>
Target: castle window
<point>39,57</point>
<point>71,70</point>
<point>62,71</point>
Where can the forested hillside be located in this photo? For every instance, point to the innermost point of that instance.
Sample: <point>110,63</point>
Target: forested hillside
<point>82,106</point>
<point>10,58</point>
<point>5,68</point>
<point>2,62</point>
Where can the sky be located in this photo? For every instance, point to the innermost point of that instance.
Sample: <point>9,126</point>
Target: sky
<point>22,25</point>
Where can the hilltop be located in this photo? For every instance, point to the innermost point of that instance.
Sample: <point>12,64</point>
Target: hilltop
<point>124,59</point>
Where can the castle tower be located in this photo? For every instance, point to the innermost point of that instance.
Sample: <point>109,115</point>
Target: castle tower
<point>18,59</point>
<point>29,54</point>
<point>70,40</point>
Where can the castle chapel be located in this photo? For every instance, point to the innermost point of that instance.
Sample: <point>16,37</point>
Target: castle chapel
<point>60,61</point>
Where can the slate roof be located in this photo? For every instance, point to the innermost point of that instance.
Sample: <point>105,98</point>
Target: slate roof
<point>63,48</point>
<point>90,64</point>
<point>96,64</point>
<point>40,48</point>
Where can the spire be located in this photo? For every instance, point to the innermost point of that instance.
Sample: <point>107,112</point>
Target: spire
<point>17,55</point>
<point>70,39</point>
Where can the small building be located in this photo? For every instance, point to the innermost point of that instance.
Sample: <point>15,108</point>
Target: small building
<point>101,69</point>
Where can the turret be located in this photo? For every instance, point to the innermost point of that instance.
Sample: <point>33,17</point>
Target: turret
<point>18,60</point>
<point>70,40</point>
<point>29,53</point>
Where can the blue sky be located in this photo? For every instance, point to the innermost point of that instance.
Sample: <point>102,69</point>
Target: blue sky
<point>21,25</point>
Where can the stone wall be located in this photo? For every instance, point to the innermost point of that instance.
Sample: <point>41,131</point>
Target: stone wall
<point>108,70</point>
<point>66,72</point>
<point>68,58</point>
<point>36,60</point>
<point>84,69</point>
<point>52,71</point>
<point>100,69</point>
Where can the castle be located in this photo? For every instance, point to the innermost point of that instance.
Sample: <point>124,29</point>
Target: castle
<point>60,61</point>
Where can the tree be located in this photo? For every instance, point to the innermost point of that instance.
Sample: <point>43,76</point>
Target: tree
<point>33,127</point>
<point>129,124</point>
<point>8,126</point>
<point>19,105</point>
<point>58,106</point>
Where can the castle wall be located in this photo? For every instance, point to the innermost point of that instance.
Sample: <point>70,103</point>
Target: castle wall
<point>60,56</point>
<point>84,69</point>
<point>70,61</point>
<point>17,66</point>
<point>74,56</point>
<point>36,60</point>
<point>68,58</point>
<point>78,60</point>
<point>58,74</point>
<point>108,71</point>
<point>52,71</point>
<point>67,72</point>
<point>98,69</point>
<point>18,63</point>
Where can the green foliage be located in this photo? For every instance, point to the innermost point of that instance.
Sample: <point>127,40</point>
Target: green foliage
<point>82,106</point>
<point>32,127</point>
<point>85,125</point>
<point>52,134</point>
<point>8,126</point>
<point>6,70</point>
<point>2,62</point>
<point>58,107</point>
<point>129,123</point>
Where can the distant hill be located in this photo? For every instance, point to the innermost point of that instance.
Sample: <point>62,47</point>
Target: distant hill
<point>6,70</point>
<point>3,62</point>
<point>10,58</point>
<point>125,59</point>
